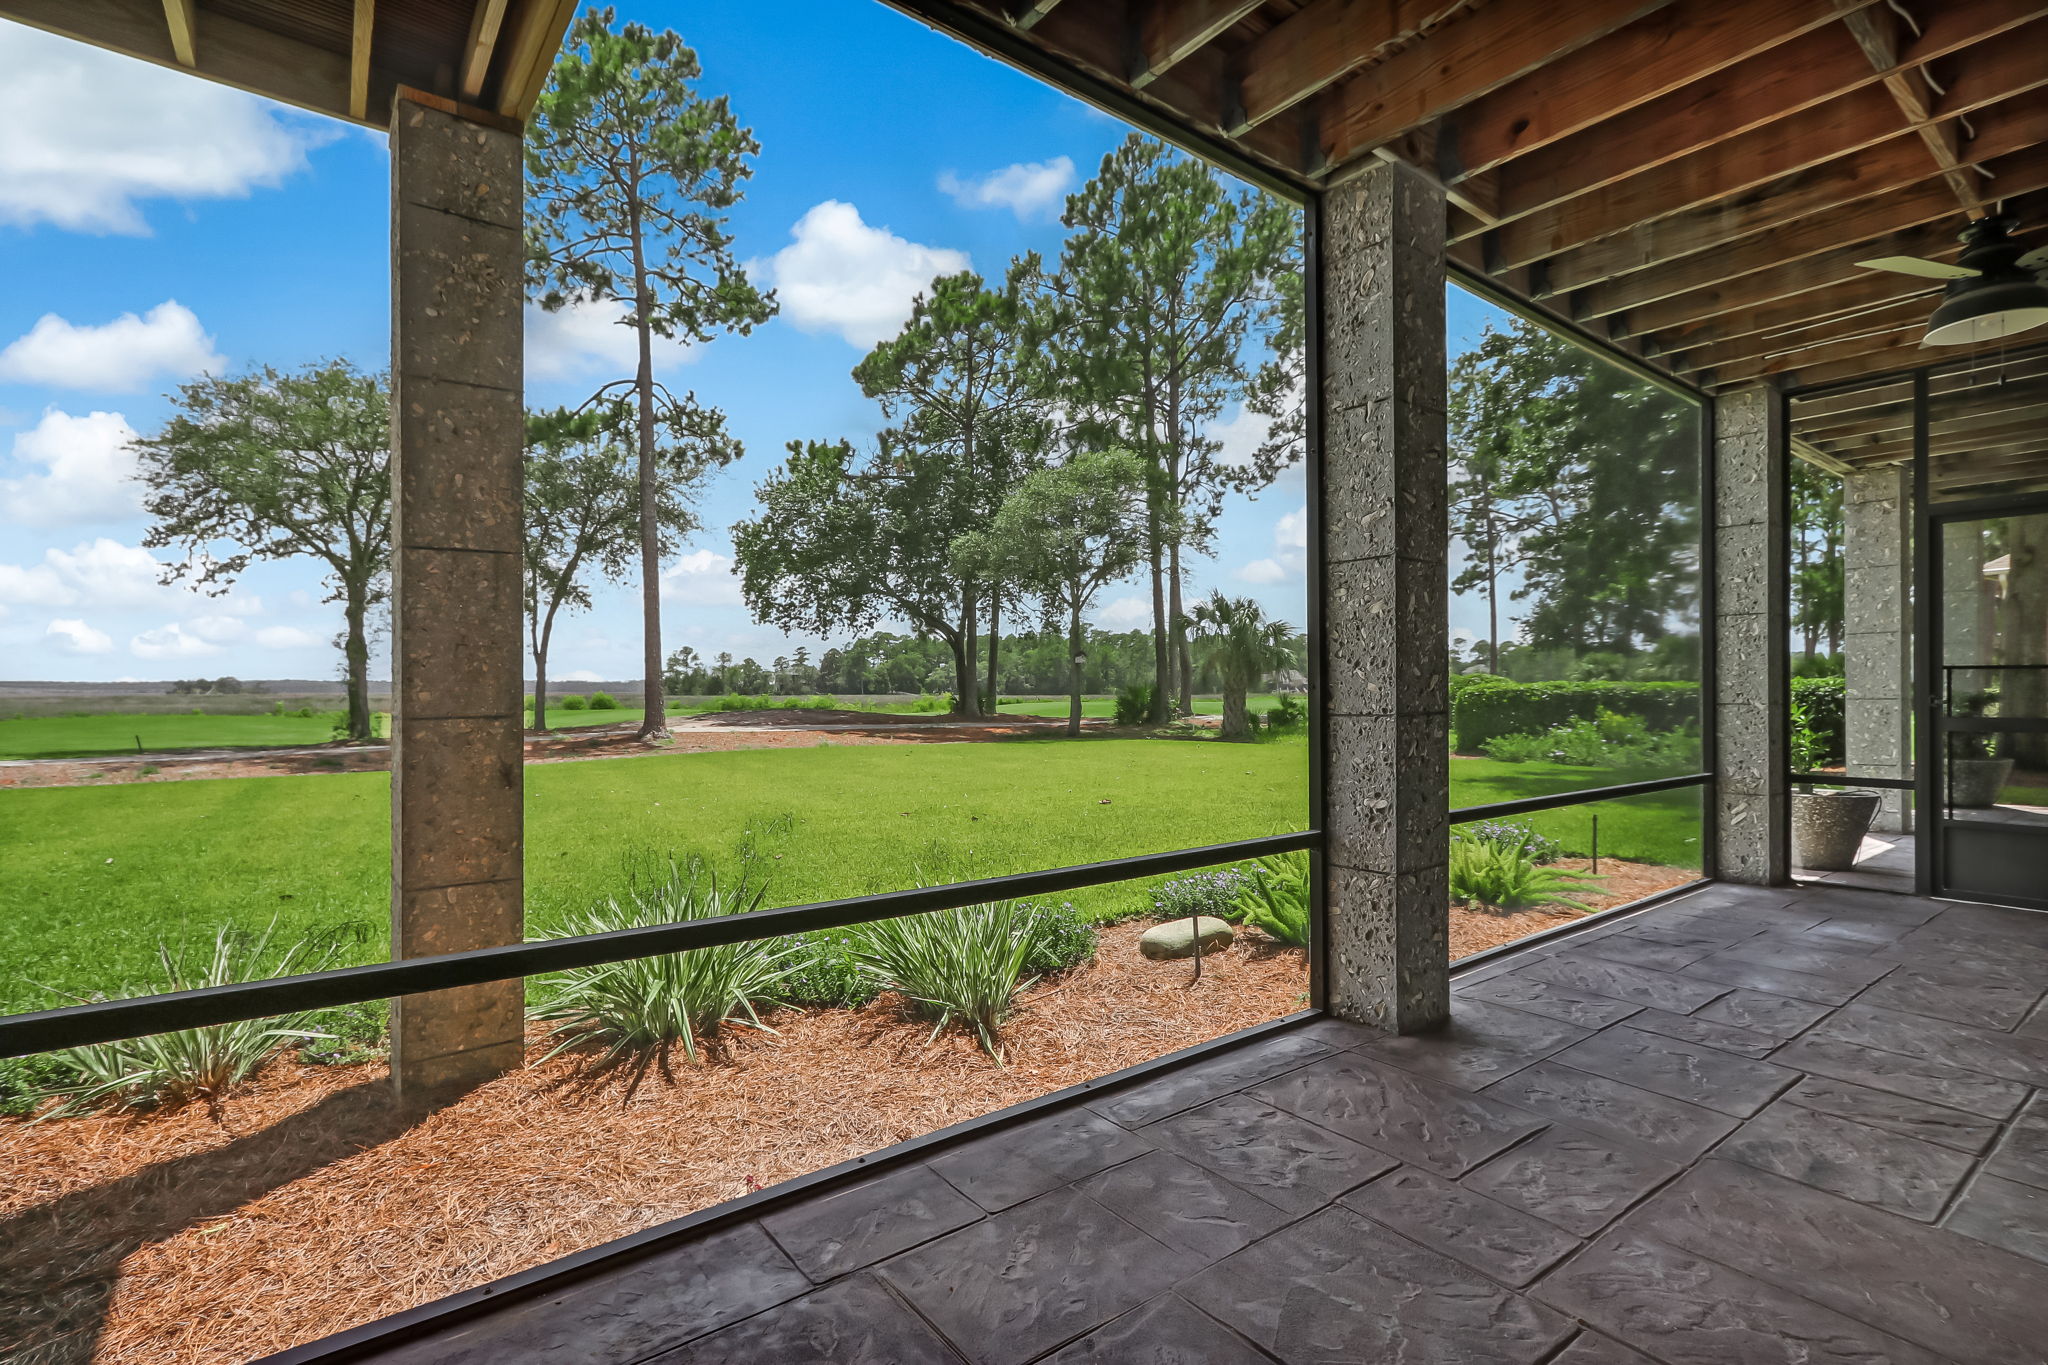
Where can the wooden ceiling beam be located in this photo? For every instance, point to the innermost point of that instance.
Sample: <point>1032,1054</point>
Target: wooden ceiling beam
<point>1759,346</point>
<point>1171,31</point>
<point>1320,43</point>
<point>1666,51</point>
<point>1878,33</point>
<point>235,53</point>
<point>1881,362</point>
<point>1653,274</point>
<point>538,28</point>
<point>1906,338</point>
<point>486,22</point>
<point>1835,271</point>
<point>1802,312</point>
<point>1772,156</point>
<point>362,40</point>
<point>1474,55</point>
<point>1026,14</point>
<point>181,18</point>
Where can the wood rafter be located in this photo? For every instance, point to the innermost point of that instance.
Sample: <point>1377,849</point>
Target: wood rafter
<point>530,53</point>
<point>362,42</point>
<point>1320,43</point>
<point>182,19</point>
<point>485,24</point>
<point>1877,32</point>
<point>1170,31</point>
<point>1473,56</point>
<point>1025,14</point>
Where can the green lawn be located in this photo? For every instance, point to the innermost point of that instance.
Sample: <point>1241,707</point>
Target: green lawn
<point>1102,708</point>
<point>93,736</point>
<point>91,877</point>
<point>1661,828</point>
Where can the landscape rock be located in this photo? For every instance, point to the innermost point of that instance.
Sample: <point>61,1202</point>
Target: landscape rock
<point>1176,938</point>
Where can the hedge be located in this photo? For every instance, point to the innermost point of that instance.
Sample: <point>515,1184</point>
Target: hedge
<point>1823,698</point>
<point>1479,713</point>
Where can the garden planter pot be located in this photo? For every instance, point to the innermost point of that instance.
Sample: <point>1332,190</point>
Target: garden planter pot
<point>1974,782</point>
<point>1828,828</point>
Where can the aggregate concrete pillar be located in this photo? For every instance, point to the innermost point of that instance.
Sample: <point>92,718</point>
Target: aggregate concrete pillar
<point>1877,637</point>
<point>457,433</point>
<point>1386,601</point>
<point>1752,841</point>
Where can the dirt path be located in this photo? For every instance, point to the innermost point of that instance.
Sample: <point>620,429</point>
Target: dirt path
<point>717,731</point>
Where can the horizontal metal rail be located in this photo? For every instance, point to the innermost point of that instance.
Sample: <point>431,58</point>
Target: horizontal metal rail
<point>23,1035</point>
<point>1904,784</point>
<point>1465,815</point>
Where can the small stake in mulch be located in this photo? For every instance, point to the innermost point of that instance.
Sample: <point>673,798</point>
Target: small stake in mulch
<point>1195,923</point>
<point>1596,845</point>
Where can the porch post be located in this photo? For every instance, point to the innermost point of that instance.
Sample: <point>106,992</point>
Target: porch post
<point>1385,608</point>
<point>457,433</point>
<point>1877,650</point>
<point>1752,839</point>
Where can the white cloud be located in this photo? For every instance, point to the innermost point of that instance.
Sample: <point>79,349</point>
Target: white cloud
<point>287,637</point>
<point>123,355</point>
<point>98,573</point>
<point>701,578</point>
<point>1290,551</point>
<point>88,471</point>
<point>1026,188</point>
<point>172,641</point>
<point>86,135</point>
<point>1126,613</point>
<point>1263,571</point>
<point>841,275</point>
<point>590,340</point>
<point>72,636</point>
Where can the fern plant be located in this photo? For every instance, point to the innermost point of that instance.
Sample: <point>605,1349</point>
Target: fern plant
<point>1274,899</point>
<point>646,1006</point>
<point>1501,874</point>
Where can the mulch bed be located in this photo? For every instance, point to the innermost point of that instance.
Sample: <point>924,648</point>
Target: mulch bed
<point>1476,928</point>
<point>310,1202</point>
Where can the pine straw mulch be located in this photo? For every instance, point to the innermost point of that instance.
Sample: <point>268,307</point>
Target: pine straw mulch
<point>310,1202</point>
<point>1475,928</point>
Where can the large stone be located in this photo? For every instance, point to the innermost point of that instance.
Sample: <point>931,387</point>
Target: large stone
<point>1176,938</point>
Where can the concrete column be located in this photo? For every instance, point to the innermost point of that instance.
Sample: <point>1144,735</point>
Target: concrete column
<point>1752,838</point>
<point>1386,608</point>
<point>457,434</point>
<point>1877,637</point>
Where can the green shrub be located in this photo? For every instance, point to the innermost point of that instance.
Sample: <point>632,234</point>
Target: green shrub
<point>1134,704</point>
<point>603,701</point>
<point>1289,712</point>
<point>645,1006</point>
<point>966,964</point>
<point>27,1083</point>
<point>1060,939</point>
<point>572,702</point>
<point>1517,748</point>
<point>1501,875</point>
<point>203,1063</point>
<point>827,976</point>
<point>1506,834</point>
<point>1479,712</point>
<point>1274,898</point>
<point>1822,699</point>
<point>1211,892</point>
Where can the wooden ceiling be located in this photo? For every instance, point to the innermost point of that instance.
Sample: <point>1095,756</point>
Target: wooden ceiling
<point>1987,425</point>
<point>338,57</point>
<point>1690,180</point>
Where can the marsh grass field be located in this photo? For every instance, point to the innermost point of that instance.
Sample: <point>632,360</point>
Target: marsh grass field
<point>92,878</point>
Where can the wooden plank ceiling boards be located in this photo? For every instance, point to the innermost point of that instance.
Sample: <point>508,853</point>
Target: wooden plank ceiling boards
<point>338,57</point>
<point>1693,181</point>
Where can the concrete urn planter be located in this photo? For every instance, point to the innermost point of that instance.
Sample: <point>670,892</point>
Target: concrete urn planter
<point>1828,828</point>
<point>1974,783</point>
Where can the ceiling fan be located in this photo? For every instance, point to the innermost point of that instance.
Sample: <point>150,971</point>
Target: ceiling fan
<point>1994,290</point>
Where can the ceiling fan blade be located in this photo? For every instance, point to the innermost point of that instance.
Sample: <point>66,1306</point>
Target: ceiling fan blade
<point>1913,265</point>
<point>2036,259</point>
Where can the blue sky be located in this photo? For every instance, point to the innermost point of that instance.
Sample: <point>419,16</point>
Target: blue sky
<point>153,226</point>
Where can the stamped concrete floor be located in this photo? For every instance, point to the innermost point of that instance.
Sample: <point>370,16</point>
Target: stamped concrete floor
<point>1747,1127</point>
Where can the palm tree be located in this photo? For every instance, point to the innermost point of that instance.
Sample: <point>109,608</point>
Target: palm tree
<point>1234,637</point>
